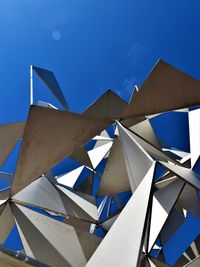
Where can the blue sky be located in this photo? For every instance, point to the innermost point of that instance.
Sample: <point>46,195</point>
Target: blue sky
<point>92,46</point>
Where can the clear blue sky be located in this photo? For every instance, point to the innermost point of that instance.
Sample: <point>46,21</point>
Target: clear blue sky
<point>92,45</point>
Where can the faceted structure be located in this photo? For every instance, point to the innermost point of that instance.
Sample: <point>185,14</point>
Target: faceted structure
<point>115,186</point>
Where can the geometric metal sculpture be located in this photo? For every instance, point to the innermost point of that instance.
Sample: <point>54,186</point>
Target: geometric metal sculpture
<point>112,186</point>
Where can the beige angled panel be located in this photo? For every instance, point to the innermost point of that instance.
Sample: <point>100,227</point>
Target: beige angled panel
<point>7,260</point>
<point>51,241</point>
<point>137,159</point>
<point>6,223</point>
<point>186,174</point>
<point>9,136</point>
<point>145,130</point>
<point>78,224</point>
<point>162,207</point>
<point>115,176</point>
<point>109,105</point>
<point>194,263</point>
<point>50,136</point>
<point>156,263</point>
<point>166,88</point>
<point>123,243</point>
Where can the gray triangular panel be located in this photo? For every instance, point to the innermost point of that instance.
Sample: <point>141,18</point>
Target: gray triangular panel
<point>50,136</point>
<point>6,223</point>
<point>49,79</point>
<point>115,176</point>
<point>145,130</point>
<point>166,88</point>
<point>109,105</point>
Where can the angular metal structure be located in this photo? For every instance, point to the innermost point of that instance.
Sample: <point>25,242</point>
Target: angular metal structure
<point>107,187</point>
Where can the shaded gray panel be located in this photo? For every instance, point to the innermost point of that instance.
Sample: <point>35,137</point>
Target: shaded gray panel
<point>122,244</point>
<point>109,105</point>
<point>6,223</point>
<point>68,242</point>
<point>145,130</point>
<point>50,136</point>
<point>137,159</point>
<point>172,87</point>
<point>85,205</point>
<point>49,79</point>
<point>115,176</point>
<point>189,200</point>
<point>48,240</point>
<point>81,156</point>
<point>174,221</point>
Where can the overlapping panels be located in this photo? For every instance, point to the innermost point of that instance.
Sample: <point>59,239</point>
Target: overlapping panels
<point>129,155</point>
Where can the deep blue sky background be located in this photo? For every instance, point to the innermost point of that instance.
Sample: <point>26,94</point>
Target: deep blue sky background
<point>102,44</point>
<point>92,46</point>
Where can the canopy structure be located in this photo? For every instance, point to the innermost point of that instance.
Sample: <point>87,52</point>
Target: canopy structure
<point>117,185</point>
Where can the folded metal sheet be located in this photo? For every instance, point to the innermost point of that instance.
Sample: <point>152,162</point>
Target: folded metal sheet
<point>122,244</point>
<point>166,88</point>
<point>49,79</point>
<point>50,136</point>
<point>51,241</point>
<point>109,105</point>
<point>115,176</point>
<point>138,161</point>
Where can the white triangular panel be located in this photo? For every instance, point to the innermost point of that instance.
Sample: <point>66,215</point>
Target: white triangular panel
<point>194,131</point>
<point>122,245</point>
<point>70,178</point>
<point>98,153</point>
